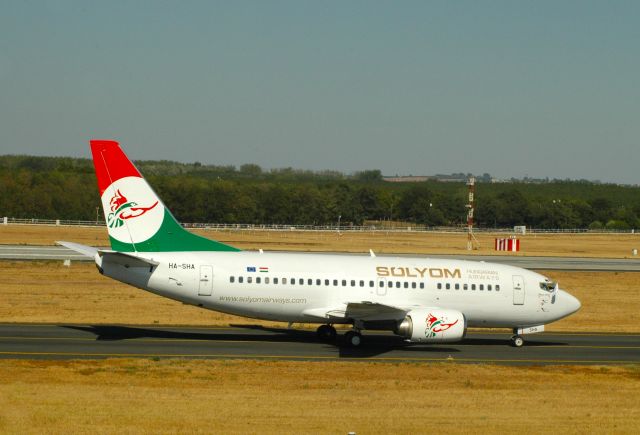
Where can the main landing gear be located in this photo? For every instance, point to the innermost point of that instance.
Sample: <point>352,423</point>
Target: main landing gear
<point>353,338</point>
<point>326,333</point>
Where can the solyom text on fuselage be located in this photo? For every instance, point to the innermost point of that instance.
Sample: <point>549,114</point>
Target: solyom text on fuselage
<point>417,272</point>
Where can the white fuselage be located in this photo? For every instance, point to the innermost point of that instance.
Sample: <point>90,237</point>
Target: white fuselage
<point>300,287</point>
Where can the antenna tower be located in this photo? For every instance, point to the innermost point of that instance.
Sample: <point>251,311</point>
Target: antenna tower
<point>471,207</point>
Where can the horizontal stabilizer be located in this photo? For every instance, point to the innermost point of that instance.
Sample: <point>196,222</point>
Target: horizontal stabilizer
<point>89,251</point>
<point>127,260</point>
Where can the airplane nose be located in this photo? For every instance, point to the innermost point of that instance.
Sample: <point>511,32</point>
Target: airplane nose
<point>570,303</point>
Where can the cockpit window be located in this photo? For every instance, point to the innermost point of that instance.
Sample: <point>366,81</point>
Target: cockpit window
<point>548,285</point>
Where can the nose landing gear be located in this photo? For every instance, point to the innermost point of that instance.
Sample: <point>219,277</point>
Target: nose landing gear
<point>517,341</point>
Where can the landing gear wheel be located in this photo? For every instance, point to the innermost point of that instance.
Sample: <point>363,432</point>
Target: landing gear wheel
<point>326,332</point>
<point>517,341</point>
<point>353,338</point>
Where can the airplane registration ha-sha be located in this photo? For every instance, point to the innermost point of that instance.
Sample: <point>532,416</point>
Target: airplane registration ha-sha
<point>421,299</point>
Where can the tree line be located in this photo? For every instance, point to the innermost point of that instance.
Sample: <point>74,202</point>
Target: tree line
<point>65,188</point>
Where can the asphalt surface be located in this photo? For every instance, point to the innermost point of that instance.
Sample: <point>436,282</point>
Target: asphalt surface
<point>20,252</point>
<point>34,252</point>
<point>254,342</point>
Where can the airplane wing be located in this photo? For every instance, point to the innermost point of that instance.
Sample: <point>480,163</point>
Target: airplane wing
<point>363,310</point>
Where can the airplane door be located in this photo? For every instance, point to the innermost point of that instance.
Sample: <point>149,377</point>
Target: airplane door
<point>206,280</point>
<point>518,290</point>
<point>381,288</point>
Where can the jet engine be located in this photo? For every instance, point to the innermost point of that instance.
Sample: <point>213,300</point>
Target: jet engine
<point>433,325</point>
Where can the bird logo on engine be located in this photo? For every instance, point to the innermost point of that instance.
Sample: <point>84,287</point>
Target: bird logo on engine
<point>436,326</point>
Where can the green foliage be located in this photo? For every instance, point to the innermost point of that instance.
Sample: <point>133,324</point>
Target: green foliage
<point>596,225</point>
<point>617,225</point>
<point>65,188</point>
<point>369,175</point>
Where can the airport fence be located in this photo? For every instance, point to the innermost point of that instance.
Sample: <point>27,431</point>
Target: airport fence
<point>378,227</point>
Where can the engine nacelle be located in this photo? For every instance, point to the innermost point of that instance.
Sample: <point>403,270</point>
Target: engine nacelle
<point>427,325</point>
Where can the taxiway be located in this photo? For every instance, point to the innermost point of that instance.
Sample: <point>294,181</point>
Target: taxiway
<point>256,342</point>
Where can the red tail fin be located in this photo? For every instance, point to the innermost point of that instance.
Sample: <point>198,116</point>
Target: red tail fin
<point>111,163</point>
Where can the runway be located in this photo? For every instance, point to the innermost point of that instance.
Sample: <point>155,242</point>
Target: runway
<point>20,252</point>
<point>255,342</point>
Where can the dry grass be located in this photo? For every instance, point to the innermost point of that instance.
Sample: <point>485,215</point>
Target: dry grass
<point>47,292</point>
<point>176,396</point>
<point>47,235</point>
<point>575,245</point>
<point>610,301</point>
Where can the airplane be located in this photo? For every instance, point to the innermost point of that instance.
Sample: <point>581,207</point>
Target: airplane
<point>423,300</point>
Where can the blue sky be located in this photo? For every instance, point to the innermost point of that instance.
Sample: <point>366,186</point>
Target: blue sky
<point>538,88</point>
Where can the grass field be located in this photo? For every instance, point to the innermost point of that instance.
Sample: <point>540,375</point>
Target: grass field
<point>177,396</point>
<point>574,245</point>
<point>48,292</point>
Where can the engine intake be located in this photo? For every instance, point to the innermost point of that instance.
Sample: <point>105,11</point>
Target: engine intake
<point>433,326</point>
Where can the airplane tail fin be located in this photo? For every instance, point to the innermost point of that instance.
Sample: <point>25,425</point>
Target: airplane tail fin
<point>136,218</point>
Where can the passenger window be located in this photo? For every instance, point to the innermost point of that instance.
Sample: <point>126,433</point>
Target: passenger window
<point>398,284</point>
<point>481,286</point>
<point>353,283</point>
<point>371,284</point>
<point>310,281</point>
<point>413,285</point>
<point>406,285</point>
<point>326,282</point>
<point>335,282</point>
<point>457,286</point>
<point>240,279</point>
<point>361,283</point>
<point>380,284</point>
<point>284,280</point>
<point>497,287</point>
<point>447,286</point>
<point>318,281</point>
<point>301,281</point>
<point>266,280</point>
<point>232,278</point>
<point>439,286</point>
<point>489,287</point>
<point>275,281</point>
<point>473,286</point>
<point>421,285</point>
<point>292,281</point>
<point>465,286</point>
<point>390,284</point>
<point>344,283</point>
<point>249,279</point>
<point>257,280</point>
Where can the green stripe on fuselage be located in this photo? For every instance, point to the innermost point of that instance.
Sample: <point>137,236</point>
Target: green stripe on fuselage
<point>172,237</point>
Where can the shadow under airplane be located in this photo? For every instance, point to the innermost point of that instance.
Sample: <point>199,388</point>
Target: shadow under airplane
<point>373,345</point>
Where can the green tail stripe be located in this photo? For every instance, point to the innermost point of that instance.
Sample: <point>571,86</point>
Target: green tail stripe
<point>172,237</point>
